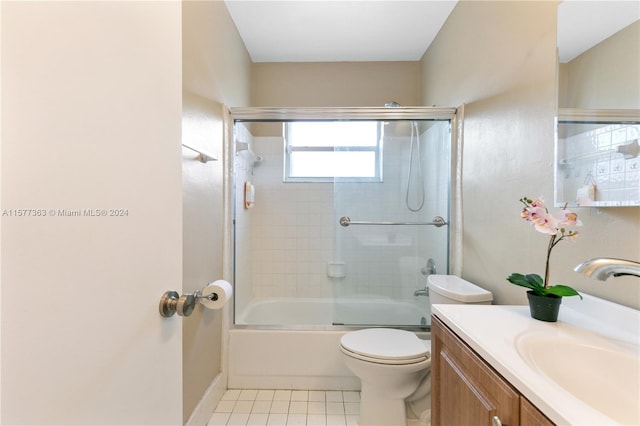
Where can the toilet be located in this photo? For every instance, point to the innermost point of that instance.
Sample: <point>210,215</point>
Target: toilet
<point>394,365</point>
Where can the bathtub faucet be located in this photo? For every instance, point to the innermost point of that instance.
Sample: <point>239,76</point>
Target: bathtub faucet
<point>424,292</point>
<point>602,268</point>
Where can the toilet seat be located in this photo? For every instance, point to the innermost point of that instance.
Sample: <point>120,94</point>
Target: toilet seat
<point>385,346</point>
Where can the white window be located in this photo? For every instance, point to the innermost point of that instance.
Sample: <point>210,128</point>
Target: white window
<point>319,151</point>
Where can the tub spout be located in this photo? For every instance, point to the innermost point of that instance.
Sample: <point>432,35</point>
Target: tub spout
<point>602,268</point>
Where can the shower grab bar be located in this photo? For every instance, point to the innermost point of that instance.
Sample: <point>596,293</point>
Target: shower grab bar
<point>438,221</point>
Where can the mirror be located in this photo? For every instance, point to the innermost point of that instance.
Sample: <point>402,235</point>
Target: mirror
<point>598,126</point>
<point>599,54</point>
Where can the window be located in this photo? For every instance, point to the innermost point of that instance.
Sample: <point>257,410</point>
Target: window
<point>319,151</point>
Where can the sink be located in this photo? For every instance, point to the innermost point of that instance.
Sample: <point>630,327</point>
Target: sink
<point>601,372</point>
<point>582,370</point>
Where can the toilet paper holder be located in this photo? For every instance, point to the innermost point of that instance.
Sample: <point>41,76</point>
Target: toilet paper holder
<point>171,302</point>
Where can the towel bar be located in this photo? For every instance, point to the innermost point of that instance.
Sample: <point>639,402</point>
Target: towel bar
<point>438,221</point>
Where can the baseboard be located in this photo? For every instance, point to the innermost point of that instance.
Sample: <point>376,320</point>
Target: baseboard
<point>291,382</point>
<point>203,411</point>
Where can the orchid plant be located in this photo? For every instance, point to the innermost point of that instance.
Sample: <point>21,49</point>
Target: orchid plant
<point>558,228</point>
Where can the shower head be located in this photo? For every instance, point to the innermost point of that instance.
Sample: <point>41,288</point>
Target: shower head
<point>392,104</point>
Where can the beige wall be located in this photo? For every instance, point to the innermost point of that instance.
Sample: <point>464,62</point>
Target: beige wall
<point>606,76</point>
<point>216,69</point>
<point>336,84</point>
<point>499,59</point>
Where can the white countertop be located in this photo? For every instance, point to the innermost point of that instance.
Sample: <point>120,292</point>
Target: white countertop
<point>492,331</point>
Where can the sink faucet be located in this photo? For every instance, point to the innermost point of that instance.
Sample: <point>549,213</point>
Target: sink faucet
<point>604,267</point>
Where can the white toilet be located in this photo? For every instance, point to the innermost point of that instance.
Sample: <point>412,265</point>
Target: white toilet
<point>394,365</point>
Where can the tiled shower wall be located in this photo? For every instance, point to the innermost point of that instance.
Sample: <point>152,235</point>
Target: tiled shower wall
<point>292,230</point>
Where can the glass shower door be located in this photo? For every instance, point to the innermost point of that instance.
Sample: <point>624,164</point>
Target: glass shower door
<point>392,233</point>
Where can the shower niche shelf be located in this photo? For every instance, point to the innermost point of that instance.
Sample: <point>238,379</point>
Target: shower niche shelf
<point>597,158</point>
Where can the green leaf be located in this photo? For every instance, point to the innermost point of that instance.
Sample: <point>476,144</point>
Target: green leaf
<point>531,281</point>
<point>562,290</point>
<point>535,279</point>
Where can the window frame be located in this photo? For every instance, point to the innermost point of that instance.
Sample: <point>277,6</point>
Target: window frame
<point>377,149</point>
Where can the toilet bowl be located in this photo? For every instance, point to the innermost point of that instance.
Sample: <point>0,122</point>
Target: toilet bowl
<point>394,366</point>
<point>390,364</point>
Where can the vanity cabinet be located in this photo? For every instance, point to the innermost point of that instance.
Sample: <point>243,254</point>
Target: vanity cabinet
<point>467,391</point>
<point>531,416</point>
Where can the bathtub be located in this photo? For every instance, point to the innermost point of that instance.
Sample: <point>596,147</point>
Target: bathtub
<point>297,347</point>
<point>325,311</point>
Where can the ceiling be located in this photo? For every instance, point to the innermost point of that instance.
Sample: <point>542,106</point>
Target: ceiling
<point>583,24</point>
<point>392,30</point>
<point>330,30</point>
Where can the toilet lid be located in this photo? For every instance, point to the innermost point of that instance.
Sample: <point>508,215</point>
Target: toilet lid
<point>385,344</point>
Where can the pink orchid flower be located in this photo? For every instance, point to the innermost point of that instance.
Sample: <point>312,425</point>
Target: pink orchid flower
<point>536,212</point>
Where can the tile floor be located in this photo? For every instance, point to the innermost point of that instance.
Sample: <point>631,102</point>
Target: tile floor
<point>251,407</point>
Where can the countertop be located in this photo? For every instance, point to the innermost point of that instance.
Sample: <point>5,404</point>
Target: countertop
<point>492,331</point>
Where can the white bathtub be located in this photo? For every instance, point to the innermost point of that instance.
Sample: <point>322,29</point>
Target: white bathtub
<point>323,311</point>
<point>305,355</point>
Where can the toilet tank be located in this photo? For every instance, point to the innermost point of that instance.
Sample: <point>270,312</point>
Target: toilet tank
<point>450,289</point>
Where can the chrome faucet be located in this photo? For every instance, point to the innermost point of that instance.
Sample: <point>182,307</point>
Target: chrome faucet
<point>602,268</point>
<point>426,271</point>
<point>424,292</point>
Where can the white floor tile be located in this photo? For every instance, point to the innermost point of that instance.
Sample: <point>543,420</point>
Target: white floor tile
<point>277,419</point>
<point>300,395</point>
<point>350,396</point>
<point>298,407</point>
<point>238,419</point>
<point>218,419</point>
<point>279,407</point>
<point>297,420</point>
<point>253,407</point>
<point>258,419</point>
<point>243,407</point>
<point>280,395</point>
<point>352,408</point>
<point>336,420</point>
<point>265,395</point>
<point>316,420</point>
<point>316,407</point>
<point>231,395</point>
<point>225,407</point>
<point>334,396</point>
<point>335,408</point>
<point>248,395</point>
<point>316,396</point>
<point>261,406</point>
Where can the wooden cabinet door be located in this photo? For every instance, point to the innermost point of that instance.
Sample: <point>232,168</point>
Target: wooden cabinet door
<point>531,416</point>
<point>465,390</point>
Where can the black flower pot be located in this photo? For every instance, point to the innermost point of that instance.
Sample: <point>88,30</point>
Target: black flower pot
<point>544,308</point>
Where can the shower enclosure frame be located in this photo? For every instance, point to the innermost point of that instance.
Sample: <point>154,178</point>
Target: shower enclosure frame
<point>277,114</point>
